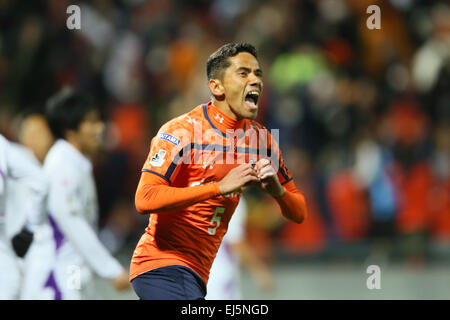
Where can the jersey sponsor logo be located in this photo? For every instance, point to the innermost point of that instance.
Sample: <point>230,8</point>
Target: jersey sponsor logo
<point>158,159</point>
<point>169,137</point>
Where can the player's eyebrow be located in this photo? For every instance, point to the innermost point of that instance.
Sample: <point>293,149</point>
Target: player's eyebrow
<point>258,71</point>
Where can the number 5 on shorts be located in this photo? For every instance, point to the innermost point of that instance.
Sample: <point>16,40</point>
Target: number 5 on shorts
<point>216,218</point>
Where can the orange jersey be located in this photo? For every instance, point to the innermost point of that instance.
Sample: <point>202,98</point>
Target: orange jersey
<point>194,151</point>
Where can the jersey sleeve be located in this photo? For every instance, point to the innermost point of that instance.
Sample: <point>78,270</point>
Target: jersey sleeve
<point>154,195</point>
<point>283,173</point>
<point>167,152</point>
<point>25,170</point>
<point>66,207</point>
<point>292,203</point>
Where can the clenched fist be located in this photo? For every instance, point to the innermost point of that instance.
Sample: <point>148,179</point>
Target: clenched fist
<point>268,177</point>
<point>237,178</point>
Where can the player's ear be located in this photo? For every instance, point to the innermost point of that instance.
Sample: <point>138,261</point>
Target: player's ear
<point>216,87</point>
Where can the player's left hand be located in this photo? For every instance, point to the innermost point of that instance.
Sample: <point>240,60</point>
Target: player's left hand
<point>268,178</point>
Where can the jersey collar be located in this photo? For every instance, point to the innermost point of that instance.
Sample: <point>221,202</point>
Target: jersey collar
<point>220,121</point>
<point>72,154</point>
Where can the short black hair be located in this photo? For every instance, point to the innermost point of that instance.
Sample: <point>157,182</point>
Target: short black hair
<point>218,61</point>
<point>27,112</point>
<point>67,109</point>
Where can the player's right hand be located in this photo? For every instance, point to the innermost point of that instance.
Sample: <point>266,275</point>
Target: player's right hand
<point>237,178</point>
<point>122,282</point>
<point>21,242</point>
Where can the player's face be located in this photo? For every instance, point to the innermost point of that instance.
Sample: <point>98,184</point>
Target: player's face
<point>243,85</point>
<point>35,135</point>
<point>90,133</point>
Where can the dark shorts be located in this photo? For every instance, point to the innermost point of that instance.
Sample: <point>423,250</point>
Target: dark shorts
<point>169,283</point>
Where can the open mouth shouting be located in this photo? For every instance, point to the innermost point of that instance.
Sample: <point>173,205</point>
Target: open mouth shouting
<point>251,99</point>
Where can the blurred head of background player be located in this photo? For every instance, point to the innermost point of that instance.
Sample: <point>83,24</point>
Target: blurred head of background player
<point>35,134</point>
<point>235,80</point>
<point>74,116</point>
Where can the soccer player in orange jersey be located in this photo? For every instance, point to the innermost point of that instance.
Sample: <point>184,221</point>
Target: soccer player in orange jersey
<point>196,169</point>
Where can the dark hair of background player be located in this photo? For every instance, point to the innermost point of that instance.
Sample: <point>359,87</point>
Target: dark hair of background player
<point>66,110</point>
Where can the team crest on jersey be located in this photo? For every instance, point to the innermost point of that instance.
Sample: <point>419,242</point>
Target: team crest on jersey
<point>158,159</point>
<point>169,137</point>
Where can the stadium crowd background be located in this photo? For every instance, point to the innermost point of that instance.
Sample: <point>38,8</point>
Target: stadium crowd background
<point>363,114</point>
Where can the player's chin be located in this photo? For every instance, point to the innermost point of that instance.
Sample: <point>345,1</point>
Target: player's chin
<point>253,115</point>
<point>249,114</point>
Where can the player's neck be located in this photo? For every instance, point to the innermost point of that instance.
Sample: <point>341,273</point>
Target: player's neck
<point>221,119</point>
<point>225,108</point>
<point>74,142</point>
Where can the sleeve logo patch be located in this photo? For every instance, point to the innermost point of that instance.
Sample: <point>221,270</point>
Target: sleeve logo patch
<point>158,159</point>
<point>169,137</point>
